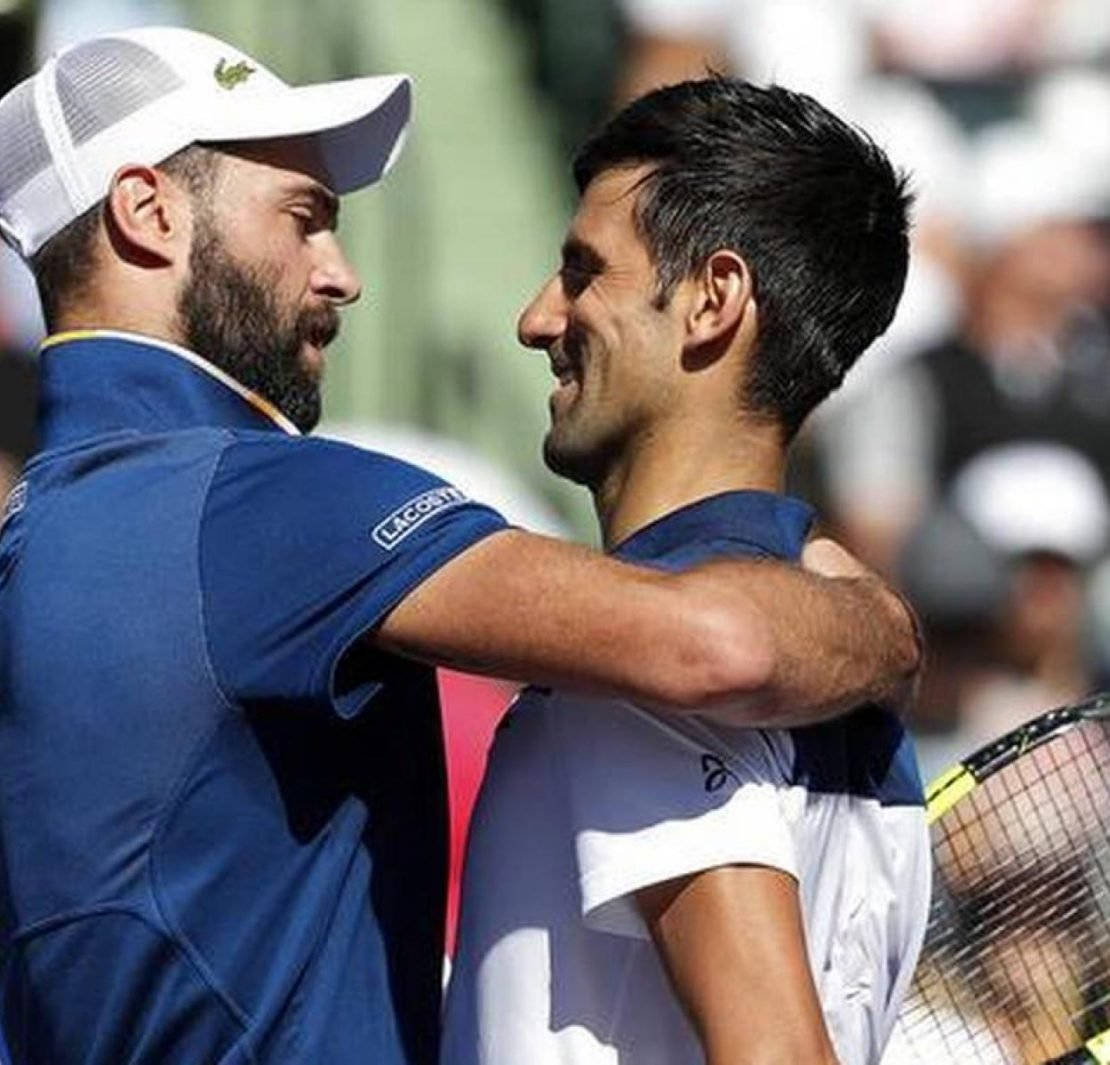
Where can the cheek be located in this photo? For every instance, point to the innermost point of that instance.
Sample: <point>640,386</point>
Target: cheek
<point>269,237</point>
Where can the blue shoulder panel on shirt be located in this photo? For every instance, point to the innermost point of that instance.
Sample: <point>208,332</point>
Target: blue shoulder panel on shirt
<point>305,545</point>
<point>868,753</point>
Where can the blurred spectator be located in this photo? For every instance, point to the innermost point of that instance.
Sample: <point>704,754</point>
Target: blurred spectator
<point>1030,361</point>
<point>999,572</point>
<point>979,57</point>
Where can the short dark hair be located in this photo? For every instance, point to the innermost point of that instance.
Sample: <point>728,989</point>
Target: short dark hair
<point>812,204</point>
<point>65,263</point>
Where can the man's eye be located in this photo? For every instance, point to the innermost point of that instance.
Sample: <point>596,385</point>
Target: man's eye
<point>303,220</point>
<point>576,279</point>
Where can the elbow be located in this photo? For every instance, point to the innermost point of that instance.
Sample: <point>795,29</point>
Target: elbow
<point>724,658</point>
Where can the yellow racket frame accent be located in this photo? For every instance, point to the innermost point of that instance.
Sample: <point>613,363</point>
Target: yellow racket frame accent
<point>1099,1048</point>
<point>947,790</point>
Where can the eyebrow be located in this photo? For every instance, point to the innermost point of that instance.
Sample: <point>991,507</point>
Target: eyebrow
<point>582,256</point>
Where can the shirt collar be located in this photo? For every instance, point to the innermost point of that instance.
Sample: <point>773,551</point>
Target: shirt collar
<point>743,522</point>
<point>99,381</point>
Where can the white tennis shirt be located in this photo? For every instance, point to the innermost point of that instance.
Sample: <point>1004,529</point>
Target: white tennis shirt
<point>587,801</point>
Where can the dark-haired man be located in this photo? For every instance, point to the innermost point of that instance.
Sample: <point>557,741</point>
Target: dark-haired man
<point>734,251</point>
<point>222,815</point>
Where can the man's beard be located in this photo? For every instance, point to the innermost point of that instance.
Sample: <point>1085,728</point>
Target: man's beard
<point>230,316</point>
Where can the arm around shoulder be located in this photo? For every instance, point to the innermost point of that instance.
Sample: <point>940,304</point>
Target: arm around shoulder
<point>762,642</point>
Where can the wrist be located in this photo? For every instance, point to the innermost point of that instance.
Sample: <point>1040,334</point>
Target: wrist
<point>906,652</point>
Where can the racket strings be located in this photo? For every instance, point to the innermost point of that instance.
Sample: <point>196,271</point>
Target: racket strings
<point>1016,963</point>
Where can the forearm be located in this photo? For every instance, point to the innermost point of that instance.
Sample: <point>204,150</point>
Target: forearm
<point>533,609</point>
<point>760,642</point>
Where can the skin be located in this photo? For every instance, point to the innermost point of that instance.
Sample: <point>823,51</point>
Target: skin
<point>646,414</point>
<point>726,636</point>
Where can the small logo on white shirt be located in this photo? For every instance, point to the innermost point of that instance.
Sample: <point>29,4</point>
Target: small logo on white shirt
<point>16,501</point>
<point>717,774</point>
<point>411,515</point>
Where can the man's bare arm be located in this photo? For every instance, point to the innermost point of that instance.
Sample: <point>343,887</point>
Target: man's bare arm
<point>760,642</point>
<point>732,942</point>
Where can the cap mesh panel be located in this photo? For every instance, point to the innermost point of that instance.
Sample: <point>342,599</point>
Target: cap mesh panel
<point>104,81</point>
<point>25,151</point>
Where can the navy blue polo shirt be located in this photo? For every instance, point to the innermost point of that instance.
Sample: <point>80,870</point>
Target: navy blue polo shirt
<point>868,753</point>
<point>222,812</point>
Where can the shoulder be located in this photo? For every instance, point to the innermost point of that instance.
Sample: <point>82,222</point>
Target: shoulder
<point>327,477</point>
<point>268,453</point>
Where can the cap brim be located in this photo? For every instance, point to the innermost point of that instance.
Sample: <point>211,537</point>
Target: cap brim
<point>359,124</point>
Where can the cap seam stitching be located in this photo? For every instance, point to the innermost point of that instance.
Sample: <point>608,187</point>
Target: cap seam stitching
<point>54,129</point>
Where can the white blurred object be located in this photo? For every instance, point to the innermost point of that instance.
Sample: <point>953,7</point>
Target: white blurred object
<point>817,48</point>
<point>959,38</point>
<point>19,302</point>
<point>482,480</point>
<point>919,136</point>
<point>704,19</point>
<point>820,49</point>
<point>1035,497</point>
<point>1072,110</point>
<point>1024,175</point>
<point>878,443</point>
<point>1078,29</point>
<point>62,22</point>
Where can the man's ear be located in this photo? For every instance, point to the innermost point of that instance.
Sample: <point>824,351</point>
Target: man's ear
<point>724,302</point>
<point>148,217</point>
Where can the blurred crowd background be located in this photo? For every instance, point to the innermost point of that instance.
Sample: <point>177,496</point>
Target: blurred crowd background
<point>968,455</point>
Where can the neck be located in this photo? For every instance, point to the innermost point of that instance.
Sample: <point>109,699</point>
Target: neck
<point>120,301</point>
<point>671,468</point>
<point>68,323</point>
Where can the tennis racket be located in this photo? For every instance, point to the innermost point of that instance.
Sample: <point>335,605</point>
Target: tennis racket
<point>1015,969</point>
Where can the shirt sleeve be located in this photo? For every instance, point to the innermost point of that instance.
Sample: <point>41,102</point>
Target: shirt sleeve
<point>652,798</point>
<point>305,545</point>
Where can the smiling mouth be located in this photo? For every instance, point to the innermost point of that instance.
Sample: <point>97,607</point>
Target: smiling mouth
<point>321,338</point>
<point>566,365</point>
<point>563,370</point>
<point>319,327</point>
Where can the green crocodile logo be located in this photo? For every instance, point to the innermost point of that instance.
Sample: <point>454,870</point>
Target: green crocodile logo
<point>227,77</point>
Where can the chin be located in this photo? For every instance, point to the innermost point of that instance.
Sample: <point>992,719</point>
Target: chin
<point>581,466</point>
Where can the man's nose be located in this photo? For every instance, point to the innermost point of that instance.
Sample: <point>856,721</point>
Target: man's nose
<point>333,276</point>
<point>544,320</point>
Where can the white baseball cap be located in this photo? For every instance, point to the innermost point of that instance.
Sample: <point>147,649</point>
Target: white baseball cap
<point>140,95</point>
<point>1035,496</point>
